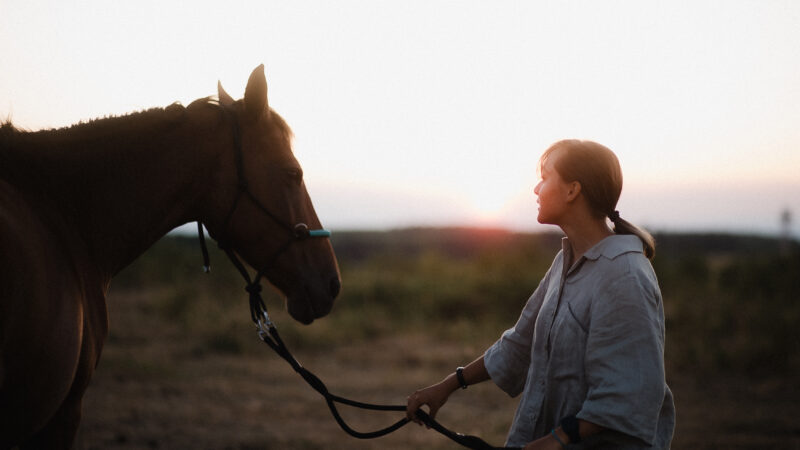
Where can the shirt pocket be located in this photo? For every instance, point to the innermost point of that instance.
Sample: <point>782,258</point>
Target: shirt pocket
<point>568,340</point>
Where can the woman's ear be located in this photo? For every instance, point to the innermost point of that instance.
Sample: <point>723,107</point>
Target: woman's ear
<point>573,191</point>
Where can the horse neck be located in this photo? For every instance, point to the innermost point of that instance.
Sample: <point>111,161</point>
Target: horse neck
<point>119,184</point>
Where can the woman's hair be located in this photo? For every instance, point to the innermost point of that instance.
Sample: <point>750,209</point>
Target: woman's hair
<point>597,169</point>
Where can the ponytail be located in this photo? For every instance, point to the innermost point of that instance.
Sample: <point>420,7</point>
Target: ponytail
<point>622,226</point>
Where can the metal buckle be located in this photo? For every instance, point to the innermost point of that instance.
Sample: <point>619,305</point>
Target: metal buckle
<point>263,325</point>
<point>301,231</point>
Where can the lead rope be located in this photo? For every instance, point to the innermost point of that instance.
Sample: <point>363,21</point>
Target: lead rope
<point>268,333</point>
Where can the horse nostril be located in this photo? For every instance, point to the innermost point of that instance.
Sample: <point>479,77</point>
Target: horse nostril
<point>335,287</point>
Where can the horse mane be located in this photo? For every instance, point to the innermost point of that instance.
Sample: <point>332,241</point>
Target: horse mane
<point>149,119</point>
<point>130,123</point>
<point>7,129</point>
<point>21,148</point>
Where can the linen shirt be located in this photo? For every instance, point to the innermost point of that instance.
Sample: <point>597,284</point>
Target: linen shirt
<point>590,343</point>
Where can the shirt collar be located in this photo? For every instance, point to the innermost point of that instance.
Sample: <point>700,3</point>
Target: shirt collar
<point>610,247</point>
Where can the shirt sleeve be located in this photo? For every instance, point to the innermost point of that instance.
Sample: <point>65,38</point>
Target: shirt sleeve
<point>625,358</point>
<point>507,361</point>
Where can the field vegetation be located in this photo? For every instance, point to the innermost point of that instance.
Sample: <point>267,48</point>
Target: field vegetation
<point>183,368</point>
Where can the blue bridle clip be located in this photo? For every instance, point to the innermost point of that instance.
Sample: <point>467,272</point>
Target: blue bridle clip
<point>301,231</point>
<point>319,233</point>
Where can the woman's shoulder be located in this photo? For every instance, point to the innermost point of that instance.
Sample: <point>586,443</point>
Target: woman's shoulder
<point>615,246</point>
<point>620,258</point>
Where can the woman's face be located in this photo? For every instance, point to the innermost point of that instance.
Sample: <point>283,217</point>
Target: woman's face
<point>552,192</point>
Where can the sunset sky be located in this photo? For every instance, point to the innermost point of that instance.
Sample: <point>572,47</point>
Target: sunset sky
<point>436,112</point>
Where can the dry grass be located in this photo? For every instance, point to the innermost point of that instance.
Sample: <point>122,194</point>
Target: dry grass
<point>164,385</point>
<point>156,387</point>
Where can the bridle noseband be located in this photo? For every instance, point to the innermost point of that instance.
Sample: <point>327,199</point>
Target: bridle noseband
<point>298,232</point>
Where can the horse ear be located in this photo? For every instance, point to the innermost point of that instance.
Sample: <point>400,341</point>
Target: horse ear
<point>224,98</point>
<point>255,95</point>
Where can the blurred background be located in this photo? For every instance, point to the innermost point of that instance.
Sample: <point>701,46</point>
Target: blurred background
<point>419,125</point>
<point>183,367</point>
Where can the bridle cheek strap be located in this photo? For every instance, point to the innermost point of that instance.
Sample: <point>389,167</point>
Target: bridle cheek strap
<point>298,233</point>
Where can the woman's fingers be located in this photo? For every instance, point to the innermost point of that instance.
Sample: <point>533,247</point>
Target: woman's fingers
<point>412,406</point>
<point>434,410</point>
<point>418,399</point>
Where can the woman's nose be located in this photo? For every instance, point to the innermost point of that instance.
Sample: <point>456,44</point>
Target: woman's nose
<point>536,188</point>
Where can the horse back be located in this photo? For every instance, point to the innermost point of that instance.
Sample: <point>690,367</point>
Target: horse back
<point>51,329</point>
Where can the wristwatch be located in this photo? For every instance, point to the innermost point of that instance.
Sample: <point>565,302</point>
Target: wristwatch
<point>460,377</point>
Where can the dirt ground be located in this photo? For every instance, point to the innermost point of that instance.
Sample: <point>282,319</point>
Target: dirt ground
<point>158,389</point>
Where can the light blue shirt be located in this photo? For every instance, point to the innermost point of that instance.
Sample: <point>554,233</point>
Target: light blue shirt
<point>590,343</point>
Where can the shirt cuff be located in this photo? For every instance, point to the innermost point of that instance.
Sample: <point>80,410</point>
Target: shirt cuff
<point>502,370</point>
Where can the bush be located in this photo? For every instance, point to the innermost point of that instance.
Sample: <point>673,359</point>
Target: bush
<point>732,303</point>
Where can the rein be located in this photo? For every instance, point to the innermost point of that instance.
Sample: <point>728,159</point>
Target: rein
<point>269,334</point>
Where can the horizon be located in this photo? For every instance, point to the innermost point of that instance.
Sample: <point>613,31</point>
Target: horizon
<point>189,230</point>
<point>430,114</point>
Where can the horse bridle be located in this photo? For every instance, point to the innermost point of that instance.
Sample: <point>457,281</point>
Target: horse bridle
<point>298,232</point>
<point>269,334</point>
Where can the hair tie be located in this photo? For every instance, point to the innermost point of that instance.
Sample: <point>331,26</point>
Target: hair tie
<point>614,216</point>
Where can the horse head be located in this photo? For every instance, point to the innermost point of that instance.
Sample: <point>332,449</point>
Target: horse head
<point>260,208</point>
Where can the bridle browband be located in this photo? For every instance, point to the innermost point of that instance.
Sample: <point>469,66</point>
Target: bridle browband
<point>266,329</point>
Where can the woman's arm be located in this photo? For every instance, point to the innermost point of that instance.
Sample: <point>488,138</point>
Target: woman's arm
<point>561,438</point>
<point>436,395</point>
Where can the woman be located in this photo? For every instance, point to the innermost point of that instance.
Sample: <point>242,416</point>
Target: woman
<point>587,352</point>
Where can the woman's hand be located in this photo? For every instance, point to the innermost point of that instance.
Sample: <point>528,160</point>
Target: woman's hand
<point>434,396</point>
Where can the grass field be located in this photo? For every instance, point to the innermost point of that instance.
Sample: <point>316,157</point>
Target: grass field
<point>184,369</point>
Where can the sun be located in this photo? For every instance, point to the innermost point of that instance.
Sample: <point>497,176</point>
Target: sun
<point>490,207</point>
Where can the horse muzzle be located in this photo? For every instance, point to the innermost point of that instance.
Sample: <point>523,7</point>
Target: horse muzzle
<point>313,301</point>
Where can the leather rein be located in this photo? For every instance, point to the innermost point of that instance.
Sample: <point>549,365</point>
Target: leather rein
<point>266,328</point>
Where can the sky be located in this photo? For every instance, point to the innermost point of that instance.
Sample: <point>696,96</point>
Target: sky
<point>435,113</point>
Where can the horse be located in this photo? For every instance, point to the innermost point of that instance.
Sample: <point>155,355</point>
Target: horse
<point>79,204</point>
